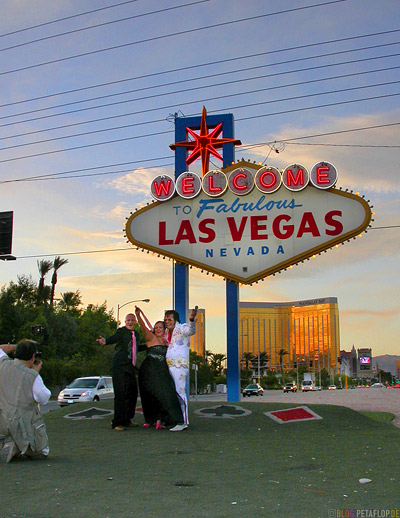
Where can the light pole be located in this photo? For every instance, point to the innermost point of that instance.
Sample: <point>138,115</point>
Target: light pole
<point>126,303</point>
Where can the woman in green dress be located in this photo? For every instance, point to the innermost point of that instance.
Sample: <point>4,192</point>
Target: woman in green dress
<point>160,402</point>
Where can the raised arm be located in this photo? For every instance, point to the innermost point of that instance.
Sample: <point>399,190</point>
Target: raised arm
<point>140,316</point>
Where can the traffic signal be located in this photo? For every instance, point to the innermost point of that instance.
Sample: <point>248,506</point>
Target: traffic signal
<point>6,229</point>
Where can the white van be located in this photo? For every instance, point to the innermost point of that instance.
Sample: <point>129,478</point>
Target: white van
<point>92,388</point>
<point>307,385</point>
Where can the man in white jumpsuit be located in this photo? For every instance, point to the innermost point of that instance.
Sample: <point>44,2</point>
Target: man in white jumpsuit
<point>177,335</point>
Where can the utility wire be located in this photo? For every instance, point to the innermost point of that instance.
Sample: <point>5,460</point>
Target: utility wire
<point>215,98</point>
<point>103,24</point>
<point>83,146</point>
<point>66,18</point>
<point>50,176</point>
<point>208,76</point>
<point>173,34</point>
<point>133,249</point>
<point>199,65</point>
<point>195,88</point>
<point>125,126</point>
<point>329,133</point>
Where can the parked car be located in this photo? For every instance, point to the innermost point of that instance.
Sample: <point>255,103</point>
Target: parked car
<point>92,388</point>
<point>332,387</point>
<point>253,390</point>
<point>290,387</point>
<point>377,385</point>
<point>317,387</point>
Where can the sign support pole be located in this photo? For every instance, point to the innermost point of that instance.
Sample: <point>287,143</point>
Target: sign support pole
<point>181,275</point>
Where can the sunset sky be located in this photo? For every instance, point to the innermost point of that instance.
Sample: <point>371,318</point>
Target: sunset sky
<point>88,96</point>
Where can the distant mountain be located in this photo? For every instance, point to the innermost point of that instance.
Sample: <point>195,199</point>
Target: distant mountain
<point>386,362</point>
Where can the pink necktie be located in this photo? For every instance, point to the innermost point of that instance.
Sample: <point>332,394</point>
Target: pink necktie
<point>133,348</point>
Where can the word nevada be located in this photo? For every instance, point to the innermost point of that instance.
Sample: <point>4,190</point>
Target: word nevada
<point>242,180</point>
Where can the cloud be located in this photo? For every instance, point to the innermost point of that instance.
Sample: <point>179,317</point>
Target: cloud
<point>137,181</point>
<point>359,168</point>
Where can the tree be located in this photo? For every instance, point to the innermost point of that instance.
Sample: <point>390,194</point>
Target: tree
<point>57,263</point>
<point>281,354</point>
<point>246,358</point>
<point>215,361</point>
<point>204,375</point>
<point>70,301</point>
<point>44,267</point>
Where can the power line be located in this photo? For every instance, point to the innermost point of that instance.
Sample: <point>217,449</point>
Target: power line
<point>83,146</point>
<point>377,146</point>
<point>66,18</point>
<point>329,133</point>
<point>282,112</point>
<point>177,33</point>
<point>48,176</point>
<point>186,89</point>
<point>133,249</point>
<point>125,126</point>
<point>51,176</point>
<point>102,119</point>
<point>210,63</point>
<point>74,31</point>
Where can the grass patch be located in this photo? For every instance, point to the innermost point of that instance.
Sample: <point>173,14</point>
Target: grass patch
<point>239,467</point>
<point>381,417</point>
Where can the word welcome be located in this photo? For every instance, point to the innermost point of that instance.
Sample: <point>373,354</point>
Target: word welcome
<point>242,181</point>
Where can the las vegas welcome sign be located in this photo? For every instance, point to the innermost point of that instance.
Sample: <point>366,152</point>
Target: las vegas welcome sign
<point>246,222</point>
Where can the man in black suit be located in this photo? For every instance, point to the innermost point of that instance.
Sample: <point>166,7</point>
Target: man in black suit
<point>127,342</point>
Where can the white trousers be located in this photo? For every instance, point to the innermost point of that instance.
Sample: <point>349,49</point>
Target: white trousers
<point>179,375</point>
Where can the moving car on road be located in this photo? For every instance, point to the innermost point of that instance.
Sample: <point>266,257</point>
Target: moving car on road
<point>290,387</point>
<point>253,390</point>
<point>307,386</point>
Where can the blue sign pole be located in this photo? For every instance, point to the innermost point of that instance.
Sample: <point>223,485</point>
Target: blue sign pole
<point>181,276</point>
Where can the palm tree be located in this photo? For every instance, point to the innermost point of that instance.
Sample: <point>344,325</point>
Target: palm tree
<point>247,357</point>
<point>281,354</point>
<point>70,300</point>
<point>215,362</point>
<point>44,267</point>
<point>57,263</point>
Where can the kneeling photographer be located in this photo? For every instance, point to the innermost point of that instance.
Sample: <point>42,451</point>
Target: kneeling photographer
<point>22,430</point>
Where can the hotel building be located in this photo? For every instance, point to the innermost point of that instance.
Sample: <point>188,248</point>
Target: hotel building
<point>197,342</point>
<point>291,334</point>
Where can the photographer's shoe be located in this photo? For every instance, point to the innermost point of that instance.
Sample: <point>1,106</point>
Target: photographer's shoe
<point>8,451</point>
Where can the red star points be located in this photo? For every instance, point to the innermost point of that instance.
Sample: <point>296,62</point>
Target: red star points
<point>204,144</point>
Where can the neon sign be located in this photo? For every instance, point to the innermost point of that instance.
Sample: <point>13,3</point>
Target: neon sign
<point>242,180</point>
<point>247,222</point>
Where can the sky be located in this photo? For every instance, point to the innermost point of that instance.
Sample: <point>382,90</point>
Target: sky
<point>89,92</point>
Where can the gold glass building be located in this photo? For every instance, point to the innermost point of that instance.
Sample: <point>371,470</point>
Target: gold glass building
<point>291,334</point>
<point>197,342</point>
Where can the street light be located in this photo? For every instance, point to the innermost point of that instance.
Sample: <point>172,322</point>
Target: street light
<point>126,303</point>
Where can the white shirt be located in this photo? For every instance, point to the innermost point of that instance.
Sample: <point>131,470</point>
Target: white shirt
<point>41,394</point>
